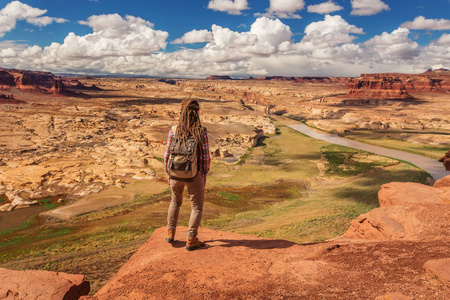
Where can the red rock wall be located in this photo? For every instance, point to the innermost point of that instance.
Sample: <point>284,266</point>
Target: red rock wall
<point>6,79</point>
<point>26,80</point>
<point>29,78</point>
<point>376,86</point>
<point>397,85</point>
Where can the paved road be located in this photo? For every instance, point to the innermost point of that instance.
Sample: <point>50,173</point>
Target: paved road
<point>432,166</point>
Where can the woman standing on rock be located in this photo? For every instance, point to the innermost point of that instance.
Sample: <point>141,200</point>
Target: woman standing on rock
<point>187,163</point>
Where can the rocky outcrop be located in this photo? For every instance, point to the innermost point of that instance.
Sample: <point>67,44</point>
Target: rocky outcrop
<point>446,160</point>
<point>6,79</point>
<point>398,85</point>
<point>31,79</point>
<point>58,87</point>
<point>26,80</point>
<point>237,266</point>
<point>16,202</point>
<point>30,284</point>
<point>219,77</point>
<point>408,211</point>
<point>9,99</point>
<point>68,146</point>
<point>232,266</point>
<point>377,86</point>
<point>304,79</point>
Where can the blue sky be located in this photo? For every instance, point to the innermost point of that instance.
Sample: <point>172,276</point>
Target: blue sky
<point>180,38</point>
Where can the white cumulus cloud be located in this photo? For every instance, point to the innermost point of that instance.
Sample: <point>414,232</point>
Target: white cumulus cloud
<point>436,54</point>
<point>368,7</point>
<point>332,31</point>
<point>444,39</point>
<point>18,11</point>
<point>429,24</point>
<point>229,6</point>
<point>285,9</point>
<point>195,36</point>
<point>394,45</point>
<point>325,7</point>
<point>112,36</point>
<point>131,45</point>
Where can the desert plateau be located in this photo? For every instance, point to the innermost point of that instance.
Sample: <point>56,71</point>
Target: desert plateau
<point>83,188</point>
<point>225,149</point>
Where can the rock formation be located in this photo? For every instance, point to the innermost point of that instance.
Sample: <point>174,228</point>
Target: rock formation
<point>401,253</point>
<point>32,284</point>
<point>69,147</point>
<point>446,160</point>
<point>377,86</point>
<point>6,79</point>
<point>26,80</point>
<point>304,79</point>
<point>408,211</point>
<point>219,77</point>
<point>58,87</point>
<point>244,266</point>
<point>397,85</point>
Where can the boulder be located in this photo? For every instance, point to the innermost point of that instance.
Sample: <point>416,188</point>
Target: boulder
<point>402,222</point>
<point>401,193</point>
<point>443,182</point>
<point>408,211</point>
<point>33,284</point>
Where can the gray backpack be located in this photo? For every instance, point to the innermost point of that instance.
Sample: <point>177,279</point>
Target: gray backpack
<point>183,161</point>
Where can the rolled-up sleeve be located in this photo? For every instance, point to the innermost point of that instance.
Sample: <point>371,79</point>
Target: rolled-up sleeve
<point>206,159</point>
<point>166,153</point>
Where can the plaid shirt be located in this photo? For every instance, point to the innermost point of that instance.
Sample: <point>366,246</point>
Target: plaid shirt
<point>203,162</point>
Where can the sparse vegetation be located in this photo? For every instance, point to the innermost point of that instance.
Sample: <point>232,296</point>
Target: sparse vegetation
<point>271,193</point>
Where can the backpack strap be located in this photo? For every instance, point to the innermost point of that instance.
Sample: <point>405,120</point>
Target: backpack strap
<point>174,129</point>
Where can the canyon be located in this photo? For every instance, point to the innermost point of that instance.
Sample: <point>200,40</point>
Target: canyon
<point>78,144</point>
<point>68,137</point>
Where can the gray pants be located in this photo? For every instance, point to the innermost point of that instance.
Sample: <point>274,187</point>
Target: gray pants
<point>196,191</point>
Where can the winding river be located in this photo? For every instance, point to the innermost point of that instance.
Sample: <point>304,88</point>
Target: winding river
<point>432,166</point>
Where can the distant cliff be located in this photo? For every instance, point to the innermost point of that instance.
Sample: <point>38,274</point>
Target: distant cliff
<point>398,85</point>
<point>30,81</point>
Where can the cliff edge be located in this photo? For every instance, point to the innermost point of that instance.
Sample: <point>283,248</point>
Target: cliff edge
<point>396,251</point>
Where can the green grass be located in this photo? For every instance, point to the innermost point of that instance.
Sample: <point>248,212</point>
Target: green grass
<point>47,203</point>
<point>229,197</point>
<point>25,225</point>
<point>119,233</point>
<point>343,161</point>
<point>160,159</point>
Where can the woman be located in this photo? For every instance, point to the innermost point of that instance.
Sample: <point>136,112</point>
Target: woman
<point>189,126</point>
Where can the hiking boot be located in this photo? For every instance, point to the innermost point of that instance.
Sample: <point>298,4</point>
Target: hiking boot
<point>194,243</point>
<point>170,236</point>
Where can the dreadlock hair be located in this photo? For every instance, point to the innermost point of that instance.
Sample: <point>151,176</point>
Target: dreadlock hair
<point>189,123</point>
